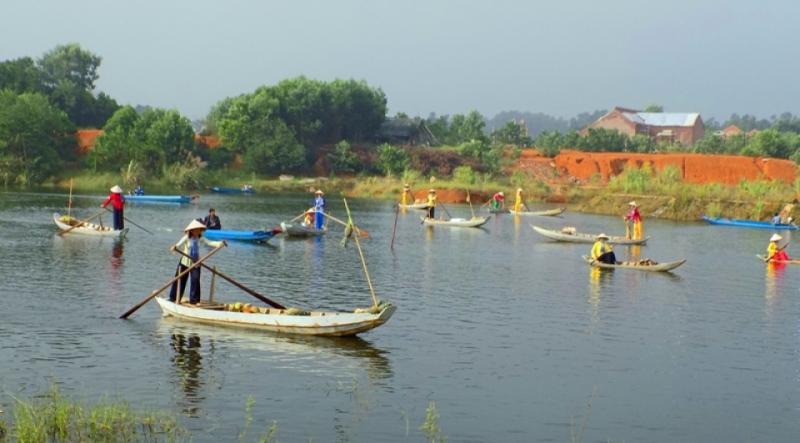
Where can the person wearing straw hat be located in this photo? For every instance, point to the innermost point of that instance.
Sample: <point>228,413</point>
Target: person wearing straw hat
<point>189,244</point>
<point>432,203</point>
<point>118,204</point>
<point>519,201</point>
<point>775,252</point>
<point>602,251</point>
<point>499,200</point>
<point>319,209</point>
<point>404,198</point>
<point>635,217</point>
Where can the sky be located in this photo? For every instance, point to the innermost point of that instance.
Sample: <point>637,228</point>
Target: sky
<point>559,57</point>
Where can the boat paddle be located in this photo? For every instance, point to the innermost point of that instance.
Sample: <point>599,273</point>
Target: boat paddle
<point>169,283</point>
<point>80,223</point>
<point>779,250</point>
<point>394,229</point>
<point>69,200</point>
<point>237,284</point>
<point>361,254</point>
<point>469,200</point>
<point>445,210</point>
<point>359,231</point>
<point>132,222</point>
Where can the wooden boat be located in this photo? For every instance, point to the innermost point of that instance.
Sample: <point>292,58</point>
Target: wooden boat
<point>778,262</point>
<point>739,223</point>
<point>584,238</point>
<point>65,222</point>
<point>544,213</point>
<point>322,323</point>
<point>660,267</point>
<point>221,190</point>
<point>474,222</point>
<point>301,230</point>
<point>499,211</point>
<point>244,236</point>
<point>159,198</point>
<point>422,205</point>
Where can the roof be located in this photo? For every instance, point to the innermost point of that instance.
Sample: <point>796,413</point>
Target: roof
<point>663,118</point>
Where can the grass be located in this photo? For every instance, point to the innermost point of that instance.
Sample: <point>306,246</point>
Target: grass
<point>430,427</point>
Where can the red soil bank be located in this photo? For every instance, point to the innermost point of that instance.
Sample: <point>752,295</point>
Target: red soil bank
<point>86,139</point>
<point>694,168</point>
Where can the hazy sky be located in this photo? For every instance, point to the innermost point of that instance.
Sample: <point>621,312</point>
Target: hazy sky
<point>560,56</point>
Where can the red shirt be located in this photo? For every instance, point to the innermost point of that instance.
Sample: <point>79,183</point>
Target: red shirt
<point>116,200</point>
<point>634,215</point>
<point>498,197</point>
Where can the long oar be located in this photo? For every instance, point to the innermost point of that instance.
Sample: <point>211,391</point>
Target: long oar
<point>779,250</point>
<point>69,201</point>
<point>445,210</point>
<point>169,283</point>
<point>469,200</point>
<point>81,223</point>
<point>132,222</point>
<point>359,231</point>
<point>298,217</point>
<point>363,260</point>
<point>394,229</point>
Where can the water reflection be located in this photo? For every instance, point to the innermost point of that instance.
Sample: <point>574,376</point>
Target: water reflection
<point>773,283</point>
<point>598,280</point>
<point>188,363</point>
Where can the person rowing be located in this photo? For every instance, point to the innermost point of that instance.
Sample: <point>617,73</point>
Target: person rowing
<point>432,203</point>
<point>776,253</point>
<point>602,251</point>
<point>519,202</point>
<point>189,244</point>
<point>498,201</point>
<point>406,197</point>
<point>319,209</point>
<point>118,204</point>
<point>212,220</point>
<point>635,217</point>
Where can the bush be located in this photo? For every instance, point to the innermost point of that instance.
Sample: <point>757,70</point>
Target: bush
<point>342,158</point>
<point>465,175</point>
<point>392,160</point>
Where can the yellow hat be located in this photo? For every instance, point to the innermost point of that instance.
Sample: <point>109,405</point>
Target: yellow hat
<point>194,225</point>
<point>632,203</point>
<point>519,189</point>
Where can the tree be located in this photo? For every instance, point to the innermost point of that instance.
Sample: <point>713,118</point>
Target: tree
<point>392,160</point>
<point>342,158</point>
<point>70,63</point>
<point>464,128</point>
<point>34,138</point>
<point>653,108</point>
<point>21,75</point>
<point>481,151</point>
<point>512,133</point>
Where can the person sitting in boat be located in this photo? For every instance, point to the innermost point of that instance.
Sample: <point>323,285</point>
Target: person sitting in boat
<point>138,190</point>
<point>247,188</point>
<point>319,209</point>
<point>118,204</point>
<point>635,217</point>
<point>432,203</point>
<point>212,220</point>
<point>189,244</point>
<point>308,220</point>
<point>774,252</point>
<point>518,203</point>
<point>498,201</point>
<point>406,198</point>
<point>776,219</point>
<point>602,251</point>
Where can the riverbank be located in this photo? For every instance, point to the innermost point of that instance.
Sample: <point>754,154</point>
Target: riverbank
<point>660,195</point>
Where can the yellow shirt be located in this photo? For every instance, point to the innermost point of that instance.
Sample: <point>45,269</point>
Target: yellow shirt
<point>431,200</point>
<point>404,197</point>
<point>772,249</point>
<point>518,202</point>
<point>599,248</point>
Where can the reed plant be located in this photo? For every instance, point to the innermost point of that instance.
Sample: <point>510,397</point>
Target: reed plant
<point>430,427</point>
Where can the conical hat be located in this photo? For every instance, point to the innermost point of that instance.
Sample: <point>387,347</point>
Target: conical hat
<point>519,189</point>
<point>775,237</point>
<point>116,189</point>
<point>319,191</point>
<point>501,193</point>
<point>602,236</point>
<point>194,225</point>
<point>632,203</point>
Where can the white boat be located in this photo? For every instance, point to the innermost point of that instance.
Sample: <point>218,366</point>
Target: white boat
<point>658,267</point>
<point>545,213</point>
<point>577,237</point>
<point>66,223</point>
<point>321,323</point>
<point>301,230</point>
<point>421,205</point>
<point>474,222</point>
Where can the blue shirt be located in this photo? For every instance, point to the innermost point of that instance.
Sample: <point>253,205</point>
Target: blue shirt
<point>319,204</point>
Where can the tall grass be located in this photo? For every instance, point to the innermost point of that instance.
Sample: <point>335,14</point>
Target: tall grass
<point>430,427</point>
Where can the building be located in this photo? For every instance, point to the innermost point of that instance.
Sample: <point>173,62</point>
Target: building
<point>406,131</point>
<point>729,131</point>
<point>672,127</point>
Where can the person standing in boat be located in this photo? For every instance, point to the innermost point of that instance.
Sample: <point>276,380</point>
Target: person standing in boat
<point>404,198</point>
<point>519,202</point>
<point>319,209</point>
<point>635,217</point>
<point>212,220</point>
<point>189,244</point>
<point>498,201</point>
<point>602,251</point>
<point>118,204</point>
<point>432,203</point>
<point>774,252</point>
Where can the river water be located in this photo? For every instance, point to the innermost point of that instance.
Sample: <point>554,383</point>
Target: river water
<point>512,336</point>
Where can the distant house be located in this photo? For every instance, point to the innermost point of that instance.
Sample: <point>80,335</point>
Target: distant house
<point>673,127</point>
<point>406,131</point>
<point>729,131</point>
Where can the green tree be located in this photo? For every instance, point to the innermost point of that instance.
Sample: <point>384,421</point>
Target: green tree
<point>653,108</point>
<point>21,75</point>
<point>601,139</point>
<point>482,151</point>
<point>464,128</point>
<point>34,138</point>
<point>70,63</point>
<point>342,158</point>
<point>392,160</point>
<point>512,133</point>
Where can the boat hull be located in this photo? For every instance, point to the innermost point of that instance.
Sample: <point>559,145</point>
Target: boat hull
<point>738,223</point>
<point>300,231</point>
<point>243,236</point>
<point>335,324</point>
<point>90,229</point>
<point>419,206</point>
<point>544,213</point>
<point>661,267</point>
<point>158,198</point>
<point>475,222</point>
<point>221,190</point>
<point>778,262</point>
<point>584,238</point>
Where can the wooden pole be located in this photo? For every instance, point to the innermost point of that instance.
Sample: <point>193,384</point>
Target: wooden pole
<point>81,223</point>
<point>244,288</point>
<point>133,223</point>
<point>363,260</point>
<point>169,283</point>
<point>213,283</point>
<point>469,200</point>
<point>69,202</point>
<point>359,231</point>
<point>394,229</point>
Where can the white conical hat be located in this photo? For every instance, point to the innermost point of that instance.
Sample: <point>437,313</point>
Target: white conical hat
<point>775,237</point>
<point>116,189</point>
<point>519,189</point>
<point>319,191</point>
<point>632,203</point>
<point>501,193</point>
<point>194,225</point>
<point>602,236</point>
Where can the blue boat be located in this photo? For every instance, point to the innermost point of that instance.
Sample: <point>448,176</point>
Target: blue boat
<point>749,224</point>
<point>244,236</point>
<point>221,190</point>
<point>159,198</point>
